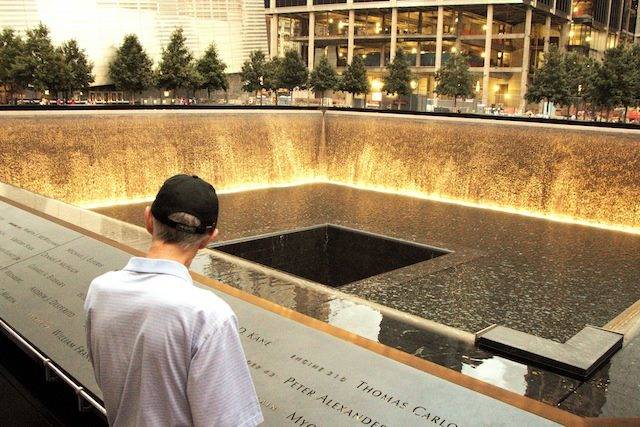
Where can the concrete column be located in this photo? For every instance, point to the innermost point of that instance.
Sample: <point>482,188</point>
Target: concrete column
<point>627,18</point>
<point>458,31</point>
<point>312,40</point>
<point>382,56</point>
<point>394,33</point>
<point>350,37</point>
<point>439,31</point>
<point>619,24</point>
<point>637,34</point>
<point>564,36</point>
<point>607,27</point>
<point>547,33</point>
<point>525,57</point>
<point>487,55</point>
<point>273,34</point>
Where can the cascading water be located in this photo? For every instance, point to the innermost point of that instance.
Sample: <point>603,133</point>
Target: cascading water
<point>590,176</point>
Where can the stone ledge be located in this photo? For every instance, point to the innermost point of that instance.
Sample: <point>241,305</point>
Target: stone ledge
<point>580,356</point>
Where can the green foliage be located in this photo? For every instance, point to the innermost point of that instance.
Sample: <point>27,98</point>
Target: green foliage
<point>195,79</point>
<point>323,77</point>
<point>211,70</point>
<point>292,73</point>
<point>131,68</point>
<point>617,75</point>
<point>40,65</point>
<point>272,74</point>
<point>454,78</point>
<point>253,72</point>
<point>174,70</point>
<point>398,77</point>
<point>354,78</point>
<point>11,48</point>
<point>550,82</point>
<point>78,69</point>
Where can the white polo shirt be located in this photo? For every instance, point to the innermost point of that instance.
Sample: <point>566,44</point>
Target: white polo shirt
<point>165,352</point>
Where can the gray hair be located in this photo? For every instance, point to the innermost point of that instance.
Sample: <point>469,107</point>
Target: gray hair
<point>176,237</point>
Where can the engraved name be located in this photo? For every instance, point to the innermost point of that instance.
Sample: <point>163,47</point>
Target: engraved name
<point>7,296</point>
<point>12,276</point>
<point>417,410</point>
<point>254,336</point>
<point>52,302</point>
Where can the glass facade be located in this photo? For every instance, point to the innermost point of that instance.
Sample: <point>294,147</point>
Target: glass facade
<point>464,30</point>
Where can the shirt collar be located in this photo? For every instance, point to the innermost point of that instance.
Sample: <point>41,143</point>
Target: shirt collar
<point>158,266</point>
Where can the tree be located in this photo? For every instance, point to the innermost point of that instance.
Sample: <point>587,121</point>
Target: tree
<point>40,66</point>
<point>211,69</point>
<point>615,82</point>
<point>174,69</point>
<point>195,79</point>
<point>77,67</point>
<point>272,76</point>
<point>11,48</point>
<point>253,72</point>
<point>579,69</point>
<point>354,78</point>
<point>131,68</point>
<point>292,73</point>
<point>618,66</point>
<point>398,78</point>
<point>550,82</point>
<point>454,78</point>
<point>323,78</point>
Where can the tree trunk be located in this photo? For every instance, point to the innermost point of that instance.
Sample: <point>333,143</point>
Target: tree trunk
<point>353,98</point>
<point>322,98</point>
<point>624,118</point>
<point>455,102</point>
<point>226,97</point>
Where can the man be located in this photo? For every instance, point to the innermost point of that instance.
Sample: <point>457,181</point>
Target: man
<point>165,352</point>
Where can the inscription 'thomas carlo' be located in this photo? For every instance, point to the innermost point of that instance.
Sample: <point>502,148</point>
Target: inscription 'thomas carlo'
<point>359,416</point>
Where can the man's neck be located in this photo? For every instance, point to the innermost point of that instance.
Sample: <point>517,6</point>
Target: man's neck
<point>161,250</point>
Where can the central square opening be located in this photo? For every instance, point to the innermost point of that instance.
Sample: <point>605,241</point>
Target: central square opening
<point>330,254</point>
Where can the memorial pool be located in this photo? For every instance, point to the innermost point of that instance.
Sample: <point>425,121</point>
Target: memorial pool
<point>507,201</point>
<point>538,276</point>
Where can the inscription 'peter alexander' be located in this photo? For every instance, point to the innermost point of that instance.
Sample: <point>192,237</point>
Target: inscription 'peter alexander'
<point>330,402</point>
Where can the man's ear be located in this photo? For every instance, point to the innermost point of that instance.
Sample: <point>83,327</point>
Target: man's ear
<point>148,220</point>
<point>210,239</point>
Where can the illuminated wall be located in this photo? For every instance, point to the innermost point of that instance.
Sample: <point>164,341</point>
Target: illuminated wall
<point>236,26</point>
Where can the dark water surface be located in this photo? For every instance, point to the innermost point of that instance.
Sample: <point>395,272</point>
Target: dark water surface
<point>538,276</point>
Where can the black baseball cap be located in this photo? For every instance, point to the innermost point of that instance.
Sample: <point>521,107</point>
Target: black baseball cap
<point>188,194</point>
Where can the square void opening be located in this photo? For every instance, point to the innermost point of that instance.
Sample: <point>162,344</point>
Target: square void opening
<point>329,254</point>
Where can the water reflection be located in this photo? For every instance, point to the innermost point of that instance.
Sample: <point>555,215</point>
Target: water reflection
<point>357,318</point>
<point>497,371</point>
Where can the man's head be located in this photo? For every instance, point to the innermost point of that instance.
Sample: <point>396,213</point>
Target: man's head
<point>184,213</point>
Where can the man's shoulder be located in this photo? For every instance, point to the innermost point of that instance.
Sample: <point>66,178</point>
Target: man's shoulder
<point>207,300</point>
